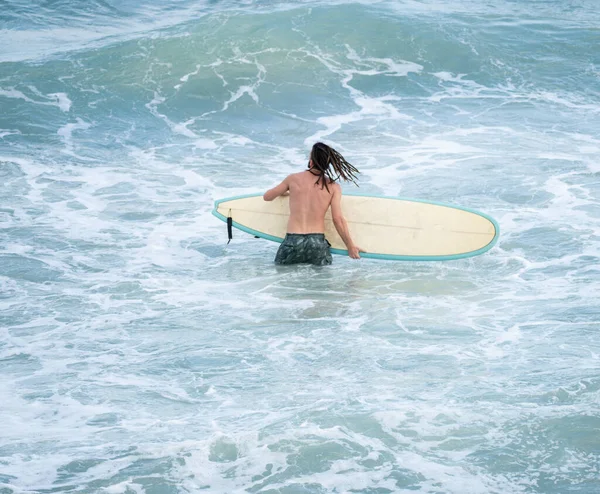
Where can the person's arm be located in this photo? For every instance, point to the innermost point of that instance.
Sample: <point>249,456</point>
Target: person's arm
<point>275,192</point>
<point>340,223</point>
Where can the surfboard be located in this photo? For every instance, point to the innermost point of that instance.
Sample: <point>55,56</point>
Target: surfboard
<point>385,227</point>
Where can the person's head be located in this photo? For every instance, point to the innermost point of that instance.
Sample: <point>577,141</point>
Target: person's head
<point>327,161</point>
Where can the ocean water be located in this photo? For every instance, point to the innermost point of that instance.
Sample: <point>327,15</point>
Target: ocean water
<point>141,354</point>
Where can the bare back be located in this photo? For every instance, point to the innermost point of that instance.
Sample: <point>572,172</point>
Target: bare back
<point>309,203</point>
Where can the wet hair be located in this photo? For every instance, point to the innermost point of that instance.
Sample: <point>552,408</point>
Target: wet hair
<point>325,159</point>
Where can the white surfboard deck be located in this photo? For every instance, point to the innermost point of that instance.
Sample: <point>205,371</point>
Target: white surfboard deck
<point>385,227</point>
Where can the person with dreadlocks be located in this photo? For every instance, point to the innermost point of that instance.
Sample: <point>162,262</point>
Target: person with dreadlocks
<point>311,193</point>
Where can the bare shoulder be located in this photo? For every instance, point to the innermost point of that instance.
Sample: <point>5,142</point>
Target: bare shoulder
<point>336,188</point>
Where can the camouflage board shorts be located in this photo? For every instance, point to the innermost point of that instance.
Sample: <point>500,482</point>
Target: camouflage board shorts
<point>311,248</point>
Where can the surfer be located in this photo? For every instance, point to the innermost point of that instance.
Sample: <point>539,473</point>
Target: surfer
<point>305,240</point>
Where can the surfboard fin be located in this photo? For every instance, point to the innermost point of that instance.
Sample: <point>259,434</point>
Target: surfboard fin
<point>229,228</point>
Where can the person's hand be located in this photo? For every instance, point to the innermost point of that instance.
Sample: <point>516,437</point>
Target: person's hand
<point>354,251</point>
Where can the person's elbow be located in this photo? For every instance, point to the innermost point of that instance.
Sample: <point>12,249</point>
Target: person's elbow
<point>267,197</point>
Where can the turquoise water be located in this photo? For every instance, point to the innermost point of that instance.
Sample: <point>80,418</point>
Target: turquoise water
<point>141,354</point>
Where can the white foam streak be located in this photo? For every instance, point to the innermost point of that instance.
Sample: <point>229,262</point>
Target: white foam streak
<point>66,133</point>
<point>60,100</point>
<point>379,108</point>
<point>8,132</point>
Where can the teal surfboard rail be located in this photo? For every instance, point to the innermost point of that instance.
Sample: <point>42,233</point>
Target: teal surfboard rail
<point>385,257</point>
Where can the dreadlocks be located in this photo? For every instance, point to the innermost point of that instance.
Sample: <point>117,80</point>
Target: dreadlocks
<point>324,159</point>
